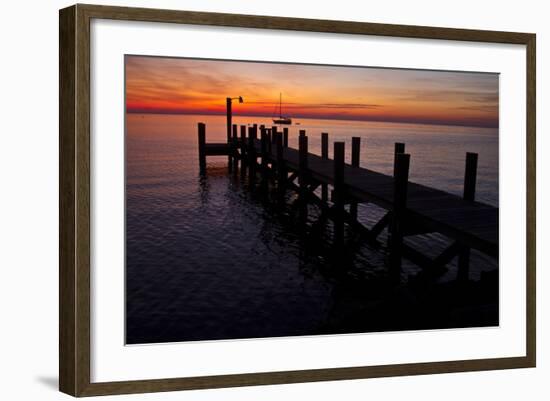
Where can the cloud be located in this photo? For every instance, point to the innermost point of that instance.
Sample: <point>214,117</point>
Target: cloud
<point>321,105</point>
<point>197,85</point>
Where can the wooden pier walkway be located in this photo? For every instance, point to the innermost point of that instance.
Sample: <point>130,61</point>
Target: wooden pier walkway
<point>411,208</point>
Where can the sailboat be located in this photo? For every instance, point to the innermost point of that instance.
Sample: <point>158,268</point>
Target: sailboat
<point>282,119</point>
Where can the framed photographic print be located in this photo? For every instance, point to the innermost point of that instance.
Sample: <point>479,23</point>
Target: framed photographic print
<point>251,200</point>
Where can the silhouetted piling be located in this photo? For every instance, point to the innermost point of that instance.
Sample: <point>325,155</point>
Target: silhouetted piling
<point>324,155</point>
<point>338,194</point>
<point>274,132</point>
<point>234,147</point>
<point>251,151</point>
<point>395,238</point>
<point>229,124</point>
<point>242,147</point>
<point>264,143</point>
<point>243,136</point>
<point>268,139</point>
<point>398,148</point>
<point>281,168</point>
<point>470,177</point>
<point>285,137</point>
<point>202,148</point>
<point>303,175</point>
<point>355,155</point>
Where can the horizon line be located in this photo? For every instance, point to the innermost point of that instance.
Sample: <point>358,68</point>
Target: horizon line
<point>396,121</point>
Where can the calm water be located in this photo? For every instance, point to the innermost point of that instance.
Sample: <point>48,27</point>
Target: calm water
<point>207,260</point>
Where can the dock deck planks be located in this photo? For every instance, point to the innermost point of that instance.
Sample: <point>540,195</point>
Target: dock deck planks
<point>473,223</point>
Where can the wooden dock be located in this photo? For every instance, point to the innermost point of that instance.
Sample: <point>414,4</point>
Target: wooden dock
<point>411,208</point>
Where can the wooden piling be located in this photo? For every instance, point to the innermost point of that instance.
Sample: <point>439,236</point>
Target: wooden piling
<point>302,133</point>
<point>285,137</point>
<point>398,148</point>
<point>202,147</point>
<point>251,152</point>
<point>281,168</point>
<point>274,133</point>
<point>234,146</point>
<point>242,147</point>
<point>243,134</point>
<point>243,143</point>
<point>355,156</point>
<point>264,152</point>
<point>303,175</point>
<point>229,124</point>
<point>395,239</point>
<point>324,155</point>
<point>229,118</point>
<point>470,178</point>
<point>339,162</point>
<point>355,151</point>
<point>268,135</point>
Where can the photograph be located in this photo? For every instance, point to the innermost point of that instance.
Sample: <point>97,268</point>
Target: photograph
<point>267,199</point>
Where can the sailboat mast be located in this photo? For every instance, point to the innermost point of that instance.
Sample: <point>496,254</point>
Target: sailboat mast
<point>281,119</point>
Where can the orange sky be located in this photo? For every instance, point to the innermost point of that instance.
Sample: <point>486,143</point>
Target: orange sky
<point>175,85</point>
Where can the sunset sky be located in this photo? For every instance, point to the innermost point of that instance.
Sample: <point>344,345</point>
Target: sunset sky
<point>192,86</point>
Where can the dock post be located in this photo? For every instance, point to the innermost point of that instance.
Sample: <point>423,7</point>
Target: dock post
<point>339,160</point>
<point>233,150</point>
<point>273,139</point>
<point>243,150</point>
<point>285,137</point>
<point>243,144</point>
<point>251,152</point>
<point>274,132</point>
<point>268,138</point>
<point>324,155</point>
<point>395,238</point>
<point>302,132</point>
<point>399,148</point>
<point>202,148</point>
<point>302,175</point>
<point>264,149</point>
<point>355,156</point>
<point>470,176</point>
<point>281,169</point>
<point>229,124</point>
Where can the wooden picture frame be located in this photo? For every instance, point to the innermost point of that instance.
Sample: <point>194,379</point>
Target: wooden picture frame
<point>74,205</point>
